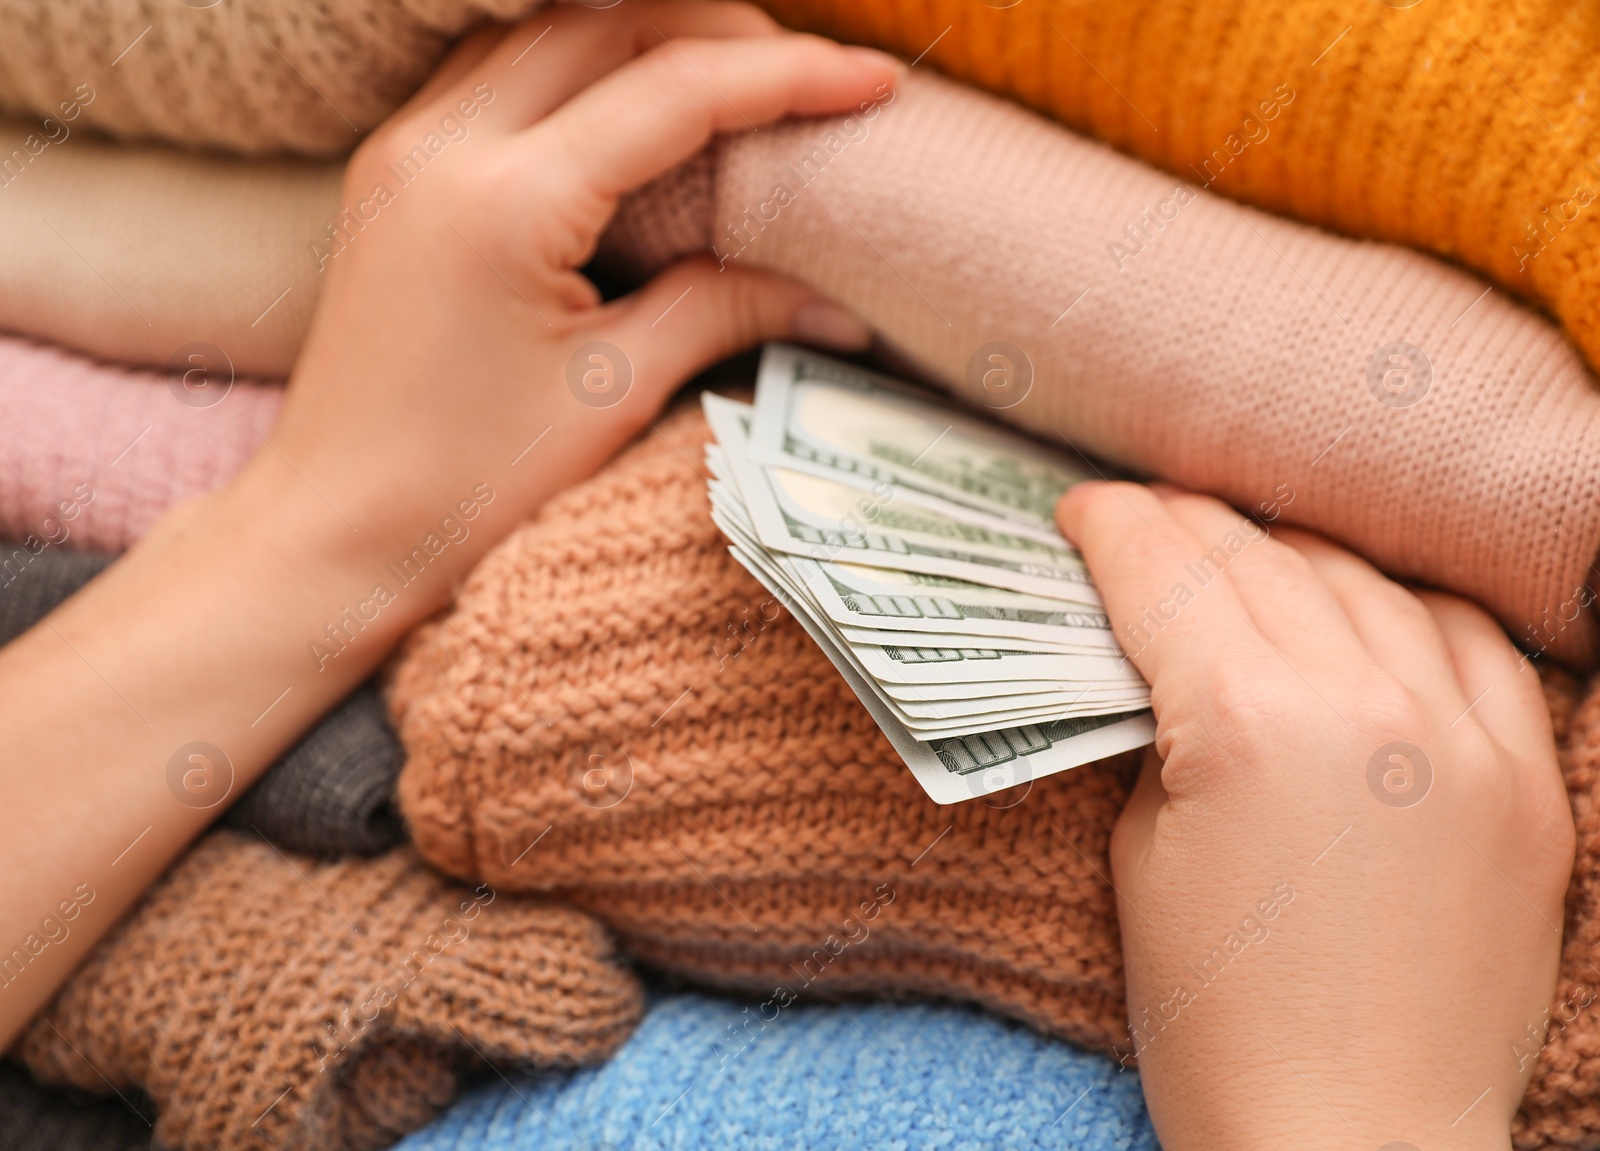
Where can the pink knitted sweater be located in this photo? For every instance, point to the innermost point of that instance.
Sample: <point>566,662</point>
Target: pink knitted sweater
<point>92,455</point>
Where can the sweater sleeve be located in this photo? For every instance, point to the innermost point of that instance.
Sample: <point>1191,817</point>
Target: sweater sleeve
<point>1371,393</point>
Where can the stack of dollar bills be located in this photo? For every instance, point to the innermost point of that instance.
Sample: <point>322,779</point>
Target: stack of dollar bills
<point>916,544</point>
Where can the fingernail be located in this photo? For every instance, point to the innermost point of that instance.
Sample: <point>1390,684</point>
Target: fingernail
<point>820,322</point>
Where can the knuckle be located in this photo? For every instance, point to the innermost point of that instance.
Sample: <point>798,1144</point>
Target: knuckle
<point>1403,602</point>
<point>1244,700</point>
<point>669,66</point>
<point>1286,557</point>
<point>1387,708</point>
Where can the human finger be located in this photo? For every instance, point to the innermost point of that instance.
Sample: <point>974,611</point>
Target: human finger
<point>659,109</point>
<point>561,50</point>
<point>693,315</point>
<point>1139,557</point>
<point>1287,600</point>
<point>1501,687</point>
<point>1402,635</point>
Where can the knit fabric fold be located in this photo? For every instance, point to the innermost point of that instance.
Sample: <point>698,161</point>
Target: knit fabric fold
<point>332,793</point>
<point>705,1074</point>
<point>250,76</point>
<point>628,721</point>
<point>91,454</point>
<point>138,253</point>
<point>263,1000</point>
<point>1462,129</point>
<point>38,1118</point>
<point>1365,391</point>
<point>851,880</point>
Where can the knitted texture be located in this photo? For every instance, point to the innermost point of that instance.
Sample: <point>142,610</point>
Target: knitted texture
<point>1213,346</point>
<point>268,1001</point>
<point>1465,129</point>
<point>32,586</point>
<point>705,1074</point>
<point>332,793</point>
<point>134,253</point>
<point>766,775</point>
<point>627,720</point>
<point>38,1118</point>
<point>251,76</point>
<point>1358,389</point>
<point>92,455</point>
<point>1461,129</point>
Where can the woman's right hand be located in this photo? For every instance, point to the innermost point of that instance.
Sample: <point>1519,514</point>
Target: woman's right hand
<point>1341,874</point>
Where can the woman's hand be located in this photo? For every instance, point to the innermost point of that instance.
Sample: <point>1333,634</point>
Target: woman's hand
<point>459,372</point>
<point>457,345</point>
<point>1340,876</point>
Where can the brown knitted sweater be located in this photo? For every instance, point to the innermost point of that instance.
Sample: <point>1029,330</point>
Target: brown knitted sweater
<point>263,1000</point>
<point>628,720</point>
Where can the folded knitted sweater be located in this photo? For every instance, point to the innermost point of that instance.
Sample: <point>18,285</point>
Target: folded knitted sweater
<point>1464,129</point>
<point>627,720</point>
<point>34,1117</point>
<point>250,76</point>
<point>328,795</point>
<point>263,1000</point>
<point>705,1074</point>
<point>136,253</point>
<point>91,455</point>
<point>1358,389</point>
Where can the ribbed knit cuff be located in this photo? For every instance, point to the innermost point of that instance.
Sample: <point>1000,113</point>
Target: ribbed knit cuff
<point>263,1000</point>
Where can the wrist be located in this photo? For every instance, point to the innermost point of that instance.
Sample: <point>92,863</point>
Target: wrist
<point>356,560</point>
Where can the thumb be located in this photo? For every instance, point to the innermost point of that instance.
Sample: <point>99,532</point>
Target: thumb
<point>694,314</point>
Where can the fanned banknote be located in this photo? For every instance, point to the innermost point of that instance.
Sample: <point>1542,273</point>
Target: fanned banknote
<point>916,545</point>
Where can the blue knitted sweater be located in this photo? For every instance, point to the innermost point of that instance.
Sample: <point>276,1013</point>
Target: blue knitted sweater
<point>711,1073</point>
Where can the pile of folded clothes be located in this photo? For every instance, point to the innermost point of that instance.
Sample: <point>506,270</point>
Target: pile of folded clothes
<point>752,829</point>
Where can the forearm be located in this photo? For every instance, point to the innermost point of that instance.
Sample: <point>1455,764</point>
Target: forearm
<point>201,634</point>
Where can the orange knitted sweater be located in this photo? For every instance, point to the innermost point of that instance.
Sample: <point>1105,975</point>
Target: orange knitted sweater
<point>627,720</point>
<point>1463,128</point>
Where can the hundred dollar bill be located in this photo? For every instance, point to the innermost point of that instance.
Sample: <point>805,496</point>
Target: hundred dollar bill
<point>953,768</point>
<point>821,519</point>
<point>914,710</point>
<point>814,412</point>
<point>1003,690</point>
<point>951,741</point>
<point>919,665</point>
<point>806,515</point>
<point>952,639</point>
<point>978,684</point>
<point>1106,672</point>
<point>928,717</point>
<point>1003,683</point>
<point>886,600</point>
